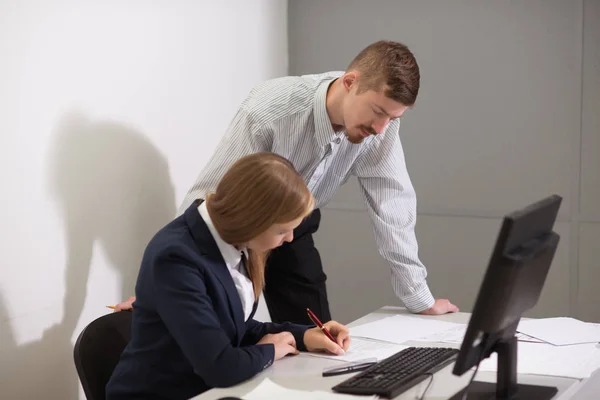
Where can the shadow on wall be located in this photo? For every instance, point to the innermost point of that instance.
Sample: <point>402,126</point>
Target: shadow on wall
<point>42,369</point>
<point>112,187</point>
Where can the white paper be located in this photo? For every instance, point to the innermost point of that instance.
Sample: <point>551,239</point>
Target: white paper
<point>521,337</point>
<point>457,334</point>
<point>452,335</point>
<point>401,328</point>
<point>361,348</point>
<point>576,361</point>
<point>268,390</point>
<point>560,331</point>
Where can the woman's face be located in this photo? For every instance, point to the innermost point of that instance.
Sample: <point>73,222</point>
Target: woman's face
<point>274,236</point>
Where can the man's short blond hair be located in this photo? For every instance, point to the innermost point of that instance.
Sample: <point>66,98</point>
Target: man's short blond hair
<point>390,66</point>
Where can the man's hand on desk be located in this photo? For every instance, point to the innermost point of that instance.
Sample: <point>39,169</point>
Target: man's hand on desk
<point>316,341</point>
<point>441,306</point>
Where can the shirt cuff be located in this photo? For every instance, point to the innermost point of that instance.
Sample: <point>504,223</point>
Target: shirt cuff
<point>419,301</point>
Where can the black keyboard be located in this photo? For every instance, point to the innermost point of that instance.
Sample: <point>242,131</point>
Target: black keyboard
<point>398,373</point>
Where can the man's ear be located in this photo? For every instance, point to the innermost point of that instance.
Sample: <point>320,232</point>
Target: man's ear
<point>350,80</point>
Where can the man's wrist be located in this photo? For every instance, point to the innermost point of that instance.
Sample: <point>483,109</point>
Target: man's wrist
<point>419,301</point>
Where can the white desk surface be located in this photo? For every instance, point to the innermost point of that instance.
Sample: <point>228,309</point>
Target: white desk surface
<point>303,372</point>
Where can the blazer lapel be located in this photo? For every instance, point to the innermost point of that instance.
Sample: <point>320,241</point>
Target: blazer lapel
<point>207,245</point>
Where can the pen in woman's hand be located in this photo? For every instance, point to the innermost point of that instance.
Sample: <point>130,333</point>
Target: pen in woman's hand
<point>314,319</point>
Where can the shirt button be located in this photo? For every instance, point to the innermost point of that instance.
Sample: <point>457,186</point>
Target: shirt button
<point>337,141</point>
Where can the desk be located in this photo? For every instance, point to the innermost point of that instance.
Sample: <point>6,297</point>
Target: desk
<point>304,372</point>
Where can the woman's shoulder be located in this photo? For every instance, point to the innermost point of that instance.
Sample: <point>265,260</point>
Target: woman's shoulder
<point>174,241</point>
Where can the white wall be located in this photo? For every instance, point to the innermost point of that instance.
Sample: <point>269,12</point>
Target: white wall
<point>108,111</point>
<point>507,114</point>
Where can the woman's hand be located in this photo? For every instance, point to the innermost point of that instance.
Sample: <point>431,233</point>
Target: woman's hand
<point>284,343</point>
<point>316,341</point>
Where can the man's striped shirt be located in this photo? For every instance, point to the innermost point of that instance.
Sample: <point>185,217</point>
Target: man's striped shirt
<point>288,116</point>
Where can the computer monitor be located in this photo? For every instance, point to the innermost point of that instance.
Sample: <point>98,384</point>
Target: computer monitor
<point>512,285</point>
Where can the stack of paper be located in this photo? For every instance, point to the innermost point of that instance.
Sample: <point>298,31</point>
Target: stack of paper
<point>560,331</point>
<point>401,328</point>
<point>576,361</point>
<point>547,346</point>
<point>267,390</point>
<point>457,334</point>
<point>361,348</point>
<point>552,346</point>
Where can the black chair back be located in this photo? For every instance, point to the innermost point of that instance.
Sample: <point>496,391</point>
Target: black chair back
<point>98,349</point>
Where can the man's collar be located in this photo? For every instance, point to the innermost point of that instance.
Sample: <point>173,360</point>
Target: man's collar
<point>323,128</point>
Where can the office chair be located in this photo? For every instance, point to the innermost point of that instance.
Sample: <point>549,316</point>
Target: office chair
<point>98,349</point>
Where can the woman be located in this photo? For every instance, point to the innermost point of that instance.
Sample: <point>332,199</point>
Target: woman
<point>198,286</point>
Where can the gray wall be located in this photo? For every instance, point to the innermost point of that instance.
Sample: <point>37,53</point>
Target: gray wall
<point>508,113</point>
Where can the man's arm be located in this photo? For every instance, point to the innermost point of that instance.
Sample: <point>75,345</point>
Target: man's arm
<point>244,136</point>
<point>391,203</point>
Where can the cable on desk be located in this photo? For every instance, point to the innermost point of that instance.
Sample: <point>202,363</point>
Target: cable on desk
<point>466,392</point>
<point>428,385</point>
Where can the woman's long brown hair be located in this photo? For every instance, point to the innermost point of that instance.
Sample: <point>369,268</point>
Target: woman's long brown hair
<point>256,192</point>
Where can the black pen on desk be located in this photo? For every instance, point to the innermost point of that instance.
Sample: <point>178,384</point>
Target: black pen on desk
<point>348,369</point>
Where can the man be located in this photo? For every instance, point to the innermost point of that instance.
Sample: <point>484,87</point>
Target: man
<point>332,126</point>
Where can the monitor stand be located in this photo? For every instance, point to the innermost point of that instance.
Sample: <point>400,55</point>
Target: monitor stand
<point>506,378</point>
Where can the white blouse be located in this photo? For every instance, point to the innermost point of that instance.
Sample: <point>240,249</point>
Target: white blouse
<point>233,260</point>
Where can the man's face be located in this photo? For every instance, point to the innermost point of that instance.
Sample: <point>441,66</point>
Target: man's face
<point>368,113</point>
